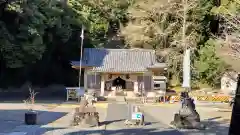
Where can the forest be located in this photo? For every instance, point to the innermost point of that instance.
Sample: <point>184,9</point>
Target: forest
<point>39,38</point>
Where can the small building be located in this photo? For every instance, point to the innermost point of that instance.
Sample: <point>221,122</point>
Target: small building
<point>134,70</point>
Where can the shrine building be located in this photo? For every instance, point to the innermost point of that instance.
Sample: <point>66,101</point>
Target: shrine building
<point>132,70</point>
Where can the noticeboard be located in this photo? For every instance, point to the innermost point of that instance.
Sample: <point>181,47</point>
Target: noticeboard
<point>137,116</point>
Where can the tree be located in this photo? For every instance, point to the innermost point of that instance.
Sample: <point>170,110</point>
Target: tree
<point>102,16</point>
<point>209,66</point>
<point>38,39</point>
<point>229,34</point>
<point>168,27</point>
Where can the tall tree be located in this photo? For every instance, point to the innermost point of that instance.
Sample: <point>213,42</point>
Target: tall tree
<point>228,38</point>
<point>38,39</point>
<point>166,26</point>
<point>229,34</point>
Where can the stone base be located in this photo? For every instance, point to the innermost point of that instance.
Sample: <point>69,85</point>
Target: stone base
<point>86,116</point>
<point>89,122</point>
<point>182,122</point>
<point>134,123</point>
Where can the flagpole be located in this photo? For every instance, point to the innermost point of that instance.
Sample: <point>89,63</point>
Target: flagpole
<point>81,51</point>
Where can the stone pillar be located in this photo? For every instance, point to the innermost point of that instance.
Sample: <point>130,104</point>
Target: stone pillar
<point>85,79</point>
<point>135,87</point>
<point>102,85</point>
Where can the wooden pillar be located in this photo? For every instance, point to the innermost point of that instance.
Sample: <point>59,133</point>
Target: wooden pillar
<point>135,87</point>
<point>152,82</point>
<point>102,85</point>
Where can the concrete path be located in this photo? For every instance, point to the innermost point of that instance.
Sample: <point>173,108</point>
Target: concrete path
<point>114,120</point>
<point>117,114</point>
<point>58,129</point>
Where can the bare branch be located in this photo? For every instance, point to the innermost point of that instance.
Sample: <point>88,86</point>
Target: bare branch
<point>30,101</point>
<point>229,37</point>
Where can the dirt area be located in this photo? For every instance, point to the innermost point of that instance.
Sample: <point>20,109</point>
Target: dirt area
<point>12,115</point>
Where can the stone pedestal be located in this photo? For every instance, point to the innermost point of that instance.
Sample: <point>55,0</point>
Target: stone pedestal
<point>187,117</point>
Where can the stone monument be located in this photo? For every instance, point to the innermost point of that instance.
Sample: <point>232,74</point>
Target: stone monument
<point>136,116</point>
<point>187,117</point>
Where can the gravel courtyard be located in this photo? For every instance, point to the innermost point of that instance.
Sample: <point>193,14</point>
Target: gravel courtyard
<point>56,120</point>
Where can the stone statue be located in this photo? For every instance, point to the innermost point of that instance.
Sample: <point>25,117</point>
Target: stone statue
<point>85,114</point>
<point>187,117</point>
<point>90,97</point>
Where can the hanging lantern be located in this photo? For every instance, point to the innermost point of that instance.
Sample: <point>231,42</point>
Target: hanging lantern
<point>127,76</point>
<point>110,76</point>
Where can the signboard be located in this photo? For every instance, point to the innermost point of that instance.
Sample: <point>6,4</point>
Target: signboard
<point>137,116</point>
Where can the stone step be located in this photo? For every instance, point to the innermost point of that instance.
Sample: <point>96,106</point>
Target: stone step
<point>120,99</point>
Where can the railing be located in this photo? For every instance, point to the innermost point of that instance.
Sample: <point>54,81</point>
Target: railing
<point>74,92</point>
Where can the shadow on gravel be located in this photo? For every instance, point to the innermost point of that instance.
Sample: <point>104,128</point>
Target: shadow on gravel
<point>131,131</point>
<point>213,128</point>
<point>123,120</point>
<point>112,121</point>
<point>14,119</point>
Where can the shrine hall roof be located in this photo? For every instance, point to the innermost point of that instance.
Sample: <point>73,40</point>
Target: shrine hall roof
<point>119,60</point>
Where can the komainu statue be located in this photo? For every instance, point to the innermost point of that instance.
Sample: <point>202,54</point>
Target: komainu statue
<point>86,114</point>
<point>187,117</point>
<point>91,96</point>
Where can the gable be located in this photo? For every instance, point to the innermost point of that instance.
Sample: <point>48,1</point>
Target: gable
<point>119,60</point>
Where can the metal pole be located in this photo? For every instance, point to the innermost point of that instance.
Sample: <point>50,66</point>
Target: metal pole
<point>81,51</point>
<point>143,88</point>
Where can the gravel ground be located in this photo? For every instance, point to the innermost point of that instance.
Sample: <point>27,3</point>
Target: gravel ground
<point>217,122</point>
<point>157,120</point>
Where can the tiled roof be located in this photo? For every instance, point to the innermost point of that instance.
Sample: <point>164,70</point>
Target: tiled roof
<point>118,60</point>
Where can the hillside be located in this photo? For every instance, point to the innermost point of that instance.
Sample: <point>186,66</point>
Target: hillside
<point>40,38</point>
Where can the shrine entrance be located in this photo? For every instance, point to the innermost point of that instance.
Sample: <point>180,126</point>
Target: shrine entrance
<point>119,82</point>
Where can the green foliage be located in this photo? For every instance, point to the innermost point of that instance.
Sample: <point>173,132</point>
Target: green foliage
<point>210,67</point>
<point>159,25</point>
<point>227,7</point>
<point>99,15</point>
<point>39,37</point>
<point>25,45</point>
